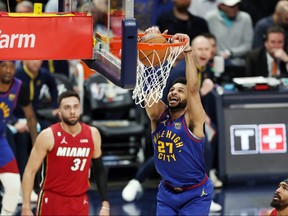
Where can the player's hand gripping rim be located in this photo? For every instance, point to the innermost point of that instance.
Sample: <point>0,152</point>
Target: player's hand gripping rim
<point>154,30</point>
<point>179,37</point>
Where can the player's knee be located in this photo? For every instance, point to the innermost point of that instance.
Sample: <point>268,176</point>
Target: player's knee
<point>12,183</point>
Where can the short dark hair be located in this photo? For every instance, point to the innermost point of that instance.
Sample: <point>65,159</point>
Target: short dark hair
<point>274,29</point>
<point>181,80</point>
<point>285,180</point>
<point>209,35</point>
<point>66,94</point>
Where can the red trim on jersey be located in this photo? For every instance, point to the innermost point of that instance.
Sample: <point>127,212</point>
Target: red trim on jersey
<point>10,167</point>
<point>17,91</point>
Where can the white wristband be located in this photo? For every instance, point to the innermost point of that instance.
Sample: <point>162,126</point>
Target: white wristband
<point>12,128</point>
<point>188,50</point>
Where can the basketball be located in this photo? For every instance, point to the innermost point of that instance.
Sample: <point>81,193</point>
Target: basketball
<point>154,56</point>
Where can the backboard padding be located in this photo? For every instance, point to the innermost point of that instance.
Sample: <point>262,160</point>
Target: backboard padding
<point>118,68</point>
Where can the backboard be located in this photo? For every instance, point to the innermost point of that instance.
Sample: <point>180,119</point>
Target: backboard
<point>115,50</point>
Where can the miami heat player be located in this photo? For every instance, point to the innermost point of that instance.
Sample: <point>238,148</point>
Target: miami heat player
<point>65,149</point>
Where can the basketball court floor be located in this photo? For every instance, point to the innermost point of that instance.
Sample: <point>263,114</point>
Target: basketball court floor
<point>241,199</point>
<point>238,200</point>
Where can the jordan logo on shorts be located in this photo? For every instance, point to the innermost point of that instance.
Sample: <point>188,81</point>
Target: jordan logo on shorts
<point>203,193</point>
<point>85,202</point>
<point>63,141</point>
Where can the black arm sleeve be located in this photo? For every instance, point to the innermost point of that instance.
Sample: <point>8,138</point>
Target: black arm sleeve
<point>101,178</point>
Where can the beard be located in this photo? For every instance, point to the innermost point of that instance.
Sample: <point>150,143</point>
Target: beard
<point>279,204</point>
<point>180,106</point>
<point>6,81</point>
<point>70,122</point>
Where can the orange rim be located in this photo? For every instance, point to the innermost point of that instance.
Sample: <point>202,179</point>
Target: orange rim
<point>157,46</point>
<point>115,43</point>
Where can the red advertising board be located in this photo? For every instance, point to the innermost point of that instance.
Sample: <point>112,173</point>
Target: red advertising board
<point>46,37</point>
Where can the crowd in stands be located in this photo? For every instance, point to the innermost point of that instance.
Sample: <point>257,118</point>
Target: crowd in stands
<point>250,35</point>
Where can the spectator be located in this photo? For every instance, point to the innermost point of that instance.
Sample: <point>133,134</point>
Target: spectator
<point>3,6</point>
<point>279,17</point>
<point>233,29</point>
<point>202,7</point>
<point>270,59</point>
<point>147,12</point>
<point>258,8</point>
<point>52,6</point>
<point>24,7</point>
<point>35,76</point>
<point>229,70</point>
<point>179,20</point>
<point>213,44</point>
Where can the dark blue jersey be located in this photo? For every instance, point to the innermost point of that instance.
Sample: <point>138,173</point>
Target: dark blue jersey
<point>178,154</point>
<point>8,102</point>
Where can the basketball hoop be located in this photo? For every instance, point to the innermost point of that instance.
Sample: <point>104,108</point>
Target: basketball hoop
<point>151,78</point>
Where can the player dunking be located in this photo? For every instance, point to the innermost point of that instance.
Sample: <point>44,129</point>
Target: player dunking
<point>178,141</point>
<point>67,149</point>
<point>12,93</point>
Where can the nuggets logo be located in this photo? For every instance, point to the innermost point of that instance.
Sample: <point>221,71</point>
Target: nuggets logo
<point>11,97</point>
<point>178,125</point>
<point>5,109</point>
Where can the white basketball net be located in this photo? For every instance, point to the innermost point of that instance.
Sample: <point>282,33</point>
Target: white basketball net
<point>151,80</point>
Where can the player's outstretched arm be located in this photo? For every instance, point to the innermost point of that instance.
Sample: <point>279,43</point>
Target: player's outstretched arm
<point>155,111</point>
<point>195,115</point>
<point>43,144</point>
